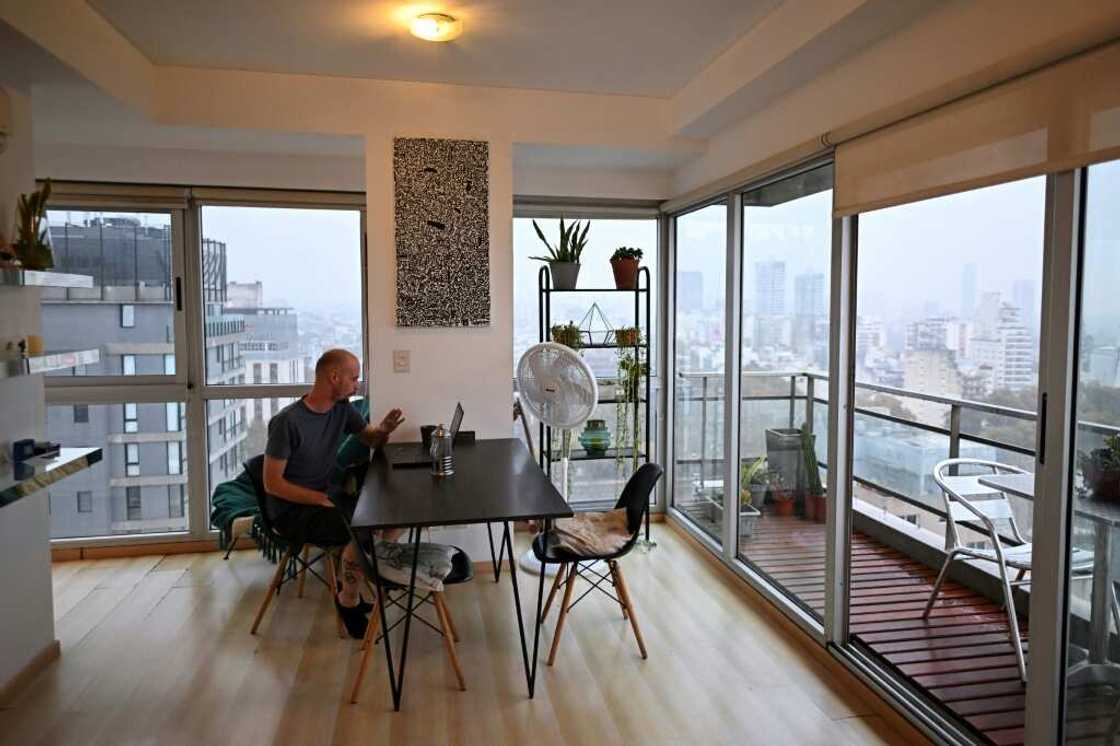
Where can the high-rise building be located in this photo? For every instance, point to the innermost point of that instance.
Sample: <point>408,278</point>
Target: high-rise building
<point>1022,295</point>
<point>809,295</point>
<point>1004,345</point>
<point>140,484</point>
<point>930,372</point>
<point>770,288</point>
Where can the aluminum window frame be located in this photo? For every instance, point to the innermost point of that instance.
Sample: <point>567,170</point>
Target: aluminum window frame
<point>186,387</point>
<point>552,208</point>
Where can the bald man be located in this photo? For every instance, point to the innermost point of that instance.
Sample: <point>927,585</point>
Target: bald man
<point>303,440</point>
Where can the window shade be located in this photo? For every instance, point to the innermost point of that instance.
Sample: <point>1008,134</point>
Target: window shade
<point>1054,119</point>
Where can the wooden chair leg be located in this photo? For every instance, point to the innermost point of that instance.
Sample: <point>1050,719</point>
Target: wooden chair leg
<point>273,587</point>
<point>630,608</point>
<point>552,593</point>
<point>448,641</point>
<point>303,570</point>
<point>563,611</point>
<point>367,648</point>
<point>614,582</point>
<point>332,582</point>
<point>450,621</point>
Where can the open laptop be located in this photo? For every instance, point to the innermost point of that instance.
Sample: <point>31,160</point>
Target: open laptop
<point>415,454</point>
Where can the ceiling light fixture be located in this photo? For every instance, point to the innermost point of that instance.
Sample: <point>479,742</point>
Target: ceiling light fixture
<point>436,27</point>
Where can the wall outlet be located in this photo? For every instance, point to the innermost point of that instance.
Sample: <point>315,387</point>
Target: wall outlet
<point>402,360</point>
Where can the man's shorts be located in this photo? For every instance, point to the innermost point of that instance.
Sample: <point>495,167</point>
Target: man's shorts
<point>317,525</point>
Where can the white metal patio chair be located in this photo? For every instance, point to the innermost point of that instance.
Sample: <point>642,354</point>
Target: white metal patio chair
<point>966,500</point>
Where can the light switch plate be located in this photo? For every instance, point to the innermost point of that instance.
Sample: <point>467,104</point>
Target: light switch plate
<point>401,361</point>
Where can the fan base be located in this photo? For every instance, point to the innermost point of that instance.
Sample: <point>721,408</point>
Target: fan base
<point>530,564</point>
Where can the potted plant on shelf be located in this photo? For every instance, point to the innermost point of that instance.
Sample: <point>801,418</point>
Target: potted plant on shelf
<point>750,488</point>
<point>816,508</point>
<point>566,334</point>
<point>631,368</point>
<point>1101,469</point>
<point>627,336</point>
<point>780,493</point>
<point>563,259</point>
<point>32,245</point>
<point>624,264</point>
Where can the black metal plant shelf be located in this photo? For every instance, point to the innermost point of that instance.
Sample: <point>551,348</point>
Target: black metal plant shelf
<point>641,414</point>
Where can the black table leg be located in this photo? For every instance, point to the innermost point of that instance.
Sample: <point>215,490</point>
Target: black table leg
<point>396,679</point>
<point>530,668</point>
<point>495,560</point>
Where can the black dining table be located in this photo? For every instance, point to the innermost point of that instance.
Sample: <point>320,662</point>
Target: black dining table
<point>494,481</point>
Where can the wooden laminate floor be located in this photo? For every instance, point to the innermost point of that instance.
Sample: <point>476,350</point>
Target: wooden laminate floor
<point>157,650</point>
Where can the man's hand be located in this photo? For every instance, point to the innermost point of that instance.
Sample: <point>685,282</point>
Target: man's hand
<point>375,436</point>
<point>324,501</point>
<point>391,422</point>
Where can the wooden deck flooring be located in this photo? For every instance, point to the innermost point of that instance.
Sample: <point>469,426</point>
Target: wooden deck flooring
<point>961,656</point>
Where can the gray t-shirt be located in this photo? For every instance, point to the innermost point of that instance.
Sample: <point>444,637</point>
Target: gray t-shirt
<point>309,441</point>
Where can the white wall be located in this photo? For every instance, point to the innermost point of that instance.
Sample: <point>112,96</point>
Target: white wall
<point>26,605</point>
<point>471,365</point>
<point>199,167</point>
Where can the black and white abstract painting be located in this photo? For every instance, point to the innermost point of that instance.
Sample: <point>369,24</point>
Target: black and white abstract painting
<point>441,193</point>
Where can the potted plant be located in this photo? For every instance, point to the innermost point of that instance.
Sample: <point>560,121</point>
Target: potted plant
<point>780,493</point>
<point>631,368</point>
<point>749,488</point>
<point>566,334</point>
<point>1101,469</point>
<point>563,259</point>
<point>816,508</point>
<point>624,264</point>
<point>32,244</point>
<point>627,336</point>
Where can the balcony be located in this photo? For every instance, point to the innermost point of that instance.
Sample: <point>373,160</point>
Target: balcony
<point>960,657</point>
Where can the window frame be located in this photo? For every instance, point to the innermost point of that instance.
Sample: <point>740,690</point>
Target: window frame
<point>184,204</point>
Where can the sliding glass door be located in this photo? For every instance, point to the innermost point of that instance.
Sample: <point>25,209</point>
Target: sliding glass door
<point>783,417</point>
<point>700,280</point>
<point>1092,686</point>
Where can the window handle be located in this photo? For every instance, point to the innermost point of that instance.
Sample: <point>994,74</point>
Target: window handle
<point>178,293</point>
<point>1042,429</point>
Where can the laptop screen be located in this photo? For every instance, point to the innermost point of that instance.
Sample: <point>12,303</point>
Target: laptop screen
<point>456,421</point>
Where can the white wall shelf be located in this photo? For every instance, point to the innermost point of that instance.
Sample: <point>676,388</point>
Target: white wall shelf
<point>36,278</point>
<point>48,362</point>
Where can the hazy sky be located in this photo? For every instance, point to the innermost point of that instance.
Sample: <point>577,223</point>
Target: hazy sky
<point>305,258</point>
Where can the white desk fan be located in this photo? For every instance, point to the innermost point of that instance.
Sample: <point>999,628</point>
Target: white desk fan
<point>558,388</point>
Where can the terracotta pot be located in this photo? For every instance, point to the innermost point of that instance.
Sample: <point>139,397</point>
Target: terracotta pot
<point>625,273</point>
<point>783,507</point>
<point>816,508</point>
<point>626,336</point>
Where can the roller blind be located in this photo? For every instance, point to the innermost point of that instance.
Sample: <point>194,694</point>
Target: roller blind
<point>1054,119</point>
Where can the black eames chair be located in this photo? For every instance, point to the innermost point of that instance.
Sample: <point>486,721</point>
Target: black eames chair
<point>296,561</point>
<point>635,499</point>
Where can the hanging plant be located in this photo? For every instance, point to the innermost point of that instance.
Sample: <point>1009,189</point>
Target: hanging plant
<point>628,429</point>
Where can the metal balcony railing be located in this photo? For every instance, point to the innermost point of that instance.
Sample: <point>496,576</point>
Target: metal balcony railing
<point>804,387</point>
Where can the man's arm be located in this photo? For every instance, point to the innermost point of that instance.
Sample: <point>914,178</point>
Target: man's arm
<point>377,435</point>
<point>276,485</point>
